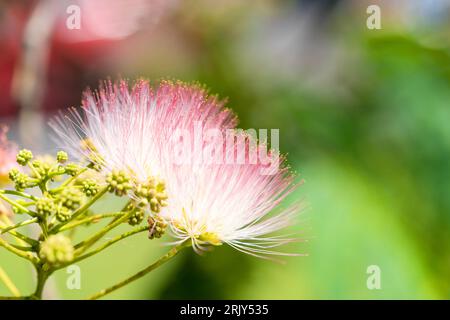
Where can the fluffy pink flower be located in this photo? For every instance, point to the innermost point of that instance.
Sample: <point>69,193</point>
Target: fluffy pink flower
<point>209,202</point>
<point>8,152</point>
<point>233,203</point>
<point>131,128</point>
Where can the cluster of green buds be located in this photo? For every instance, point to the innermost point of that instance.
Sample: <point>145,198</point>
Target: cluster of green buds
<point>90,187</point>
<point>24,156</point>
<point>46,207</point>
<point>56,249</point>
<point>152,193</point>
<point>59,203</point>
<point>70,198</point>
<point>68,191</point>
<point>72,169</point>
<point>157,226</point>
<point>21,180</point>
<point>137,216</point>
<point>119,182</point>
<point>40,170</point>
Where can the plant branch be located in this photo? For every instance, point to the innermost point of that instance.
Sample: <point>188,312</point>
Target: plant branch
<point>26,255</point>
<point>17,205</point>
<point>80,210</point>
<point>93,219</point>
<point>22,239</point>
<point>86,244</point>
<point>42,277</point>
<point>20,224</point>
<point>106,245</point>
<point>20,194</point>
<point>172,253</point>
<point>8,283</point>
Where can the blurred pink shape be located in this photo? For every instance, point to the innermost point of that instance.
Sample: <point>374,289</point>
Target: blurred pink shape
<point>110,20</point>
<point>8,151</point>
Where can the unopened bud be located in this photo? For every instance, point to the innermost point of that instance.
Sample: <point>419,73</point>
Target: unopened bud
<point>56,249</point>
<point>24,156</point>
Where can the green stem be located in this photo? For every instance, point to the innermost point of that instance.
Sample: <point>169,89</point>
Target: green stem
<point>86,244</point>
<point>8,283</point>
<point>35,172</point>
<point>68,181</point>
<point>72,179</point>
<point>123,209</point>
<point>42,277</point>
<point>24,238</point>
<point>18,252</point>
<point>23,248</point>
<point>44,227</point>
<point>106,245</point>
<point>172,253</point>
<point>20,224</point>
<point>21,238</point>
<point>17,205</point>
<point>93,218</point>
<point>20,194</point>
<point>80,210</point>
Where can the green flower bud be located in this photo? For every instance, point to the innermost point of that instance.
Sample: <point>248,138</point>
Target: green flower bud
<point>156,226</point>
<point>13,174</point>
<point>62,157</point>
<point>41,167</point>
<point>56,249</point>
<point>24,156</point>
<point>63,214</point>
<point>46,207</point>
<point>71,198</point>
<point>90,187</point>
<point>119,182</point>
<point>72,169</point>
<point>21,180</point>
<point>137,217</point>
<point>153,193</point>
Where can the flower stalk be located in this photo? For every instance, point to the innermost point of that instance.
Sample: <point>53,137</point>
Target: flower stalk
<point>168,256</point>
<point>8,283</point>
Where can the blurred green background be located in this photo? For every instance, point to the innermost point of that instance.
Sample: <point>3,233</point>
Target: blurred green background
<point>364,118</point>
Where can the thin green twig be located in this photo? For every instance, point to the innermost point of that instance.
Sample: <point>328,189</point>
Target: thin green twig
<point>80,210</point>
<point>23,254</point>
<point>23,238</point>
<point>172,253</point>
<point>9,283</point>
<point>17,205</point>
<point>93,219</point>
<point>20,194</point>
<point>86,244</point>
<point>106,245</point>
<point>20,224</point>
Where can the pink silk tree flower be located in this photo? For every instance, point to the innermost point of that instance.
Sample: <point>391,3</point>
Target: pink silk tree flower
<point>130,127</point>
<point>165,133</point>
<point>8,151</point>
<point>230,201</point>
